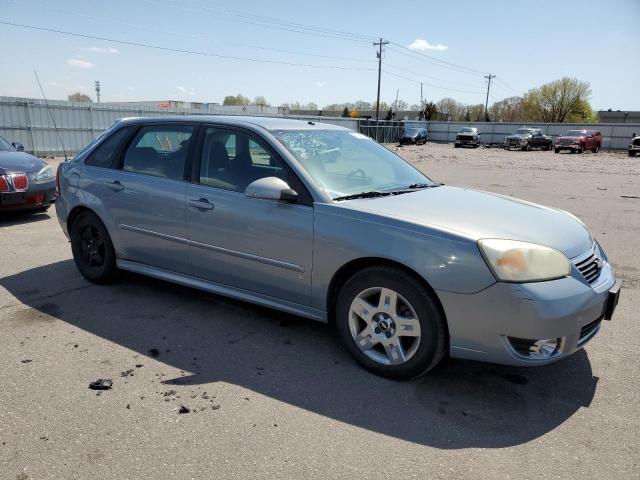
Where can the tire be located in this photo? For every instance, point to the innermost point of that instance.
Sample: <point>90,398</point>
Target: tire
<point>580,150</point>
<point>92,249</point>
<point>406,356</point>
<point>455,145</point>
<point>632,154</point>
<point>548,148</point>
<point>596,149</point>
<point>527,148</point>
<point>557,150</point>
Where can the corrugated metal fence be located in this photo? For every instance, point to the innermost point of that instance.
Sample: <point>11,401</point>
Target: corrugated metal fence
<point>29,122</point>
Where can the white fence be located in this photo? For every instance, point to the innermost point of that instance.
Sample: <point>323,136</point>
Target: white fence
<point>29,122</point>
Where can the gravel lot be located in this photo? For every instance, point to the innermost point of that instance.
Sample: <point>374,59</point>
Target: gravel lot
<point>275,396</point>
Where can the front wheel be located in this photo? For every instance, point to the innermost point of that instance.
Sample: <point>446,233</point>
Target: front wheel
<point>391,323</point>
<point>557,150</point>
<point>527,148</point>
<point>632,153</point>
<point>92,249</point>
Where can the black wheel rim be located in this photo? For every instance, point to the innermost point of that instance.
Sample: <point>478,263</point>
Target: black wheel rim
<point>92,249</point>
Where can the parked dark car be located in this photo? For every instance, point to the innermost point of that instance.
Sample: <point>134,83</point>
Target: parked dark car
<point>634,146</point>
<point>577,141</point>
<point>467,137</point>
<point>527,138</point>
<point>414,136</point>
<point>26,182</point>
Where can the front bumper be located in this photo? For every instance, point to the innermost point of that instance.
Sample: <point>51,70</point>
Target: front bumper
<point>571,147</point>
<point>38,195</point>
<point>408,141</point>
<point>483,326</point>
<point>467,143</point>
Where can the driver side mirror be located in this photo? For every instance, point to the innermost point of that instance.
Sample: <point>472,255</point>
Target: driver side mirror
<point>18,146</point>
<point>271,188</point>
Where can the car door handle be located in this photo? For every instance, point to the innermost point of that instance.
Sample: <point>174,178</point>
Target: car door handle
<point>201,204</point>
<point>116,186</point>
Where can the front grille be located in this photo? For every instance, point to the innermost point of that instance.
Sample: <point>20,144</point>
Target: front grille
<point>465,137</point>
<point>588,331</point>
<point>636,141</point>
<point>564,141</point>
<point>514,141</point>
<point>590,267</point>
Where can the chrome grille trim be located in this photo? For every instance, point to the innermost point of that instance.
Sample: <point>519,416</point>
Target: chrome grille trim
<point>590,264</point>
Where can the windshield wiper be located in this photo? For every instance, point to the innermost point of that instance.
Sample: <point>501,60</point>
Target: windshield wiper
<point>369,194</point>
<point>415,186</point>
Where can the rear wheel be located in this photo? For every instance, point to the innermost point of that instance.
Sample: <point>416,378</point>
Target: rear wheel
<point>390,323</point>
<point>596,149</point>
<point>92,249</point>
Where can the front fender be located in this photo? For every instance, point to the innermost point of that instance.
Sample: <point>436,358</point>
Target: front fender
<point>447,261</point>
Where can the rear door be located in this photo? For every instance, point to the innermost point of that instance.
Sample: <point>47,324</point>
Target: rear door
<point>146,196</point>
<point>261,246</point>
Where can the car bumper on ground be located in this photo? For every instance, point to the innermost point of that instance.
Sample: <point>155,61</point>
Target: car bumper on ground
<point>35,197</point>
<point>506,322</point>
<point>467,143</point>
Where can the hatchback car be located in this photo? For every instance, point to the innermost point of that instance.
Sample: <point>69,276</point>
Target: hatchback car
<point>26,182</point>
<point>323,222</point>
<point>414,136</point>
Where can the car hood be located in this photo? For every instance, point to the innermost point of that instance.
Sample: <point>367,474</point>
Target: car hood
<point>518,135</point>
<point>476,215</point>
<point>567,137</point>
<point>19,162</point>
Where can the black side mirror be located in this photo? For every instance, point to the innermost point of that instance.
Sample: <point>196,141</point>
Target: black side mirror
<point>18,146</point>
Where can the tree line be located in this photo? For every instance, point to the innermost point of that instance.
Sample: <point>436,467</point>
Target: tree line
<point>563,100</point>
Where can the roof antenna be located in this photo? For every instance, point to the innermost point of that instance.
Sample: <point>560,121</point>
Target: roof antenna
<point>52,119</point>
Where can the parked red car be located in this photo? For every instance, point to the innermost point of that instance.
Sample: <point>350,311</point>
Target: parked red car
<point>577,141</point>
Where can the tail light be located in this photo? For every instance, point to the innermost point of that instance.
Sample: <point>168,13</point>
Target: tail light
<point>20,181</point>
<point>4,185</point>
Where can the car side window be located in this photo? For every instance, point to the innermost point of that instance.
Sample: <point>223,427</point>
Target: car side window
<point>105,153</point>
<point>231,160</point>
<point>159,151</point>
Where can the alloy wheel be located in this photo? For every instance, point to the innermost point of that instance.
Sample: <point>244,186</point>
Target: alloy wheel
<point>384,326</point>
<point>92,247</point>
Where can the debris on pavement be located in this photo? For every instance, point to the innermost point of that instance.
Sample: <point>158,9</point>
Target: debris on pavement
<point>127,373</point>
<point>26,360</point>
<point>101,384</point>
<point>184,409</point>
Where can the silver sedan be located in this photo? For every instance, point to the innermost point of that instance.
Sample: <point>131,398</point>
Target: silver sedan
<point>323,222</point>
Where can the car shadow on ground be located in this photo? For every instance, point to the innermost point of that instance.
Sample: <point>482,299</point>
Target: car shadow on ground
<point>9,219</point>
<point>213,339</point>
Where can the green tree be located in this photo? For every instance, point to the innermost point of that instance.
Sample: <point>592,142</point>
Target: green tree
<point>507,110</point>
<point>389,115</point>
<point>346,112</point>
<point>430,111</point>
<point>261,101</point>
<point>558,101</point>
<point>79,97</point>
<point>236,100</point>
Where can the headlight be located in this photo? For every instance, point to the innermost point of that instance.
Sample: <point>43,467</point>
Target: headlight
<point>44,175</point>
<point>514,261</point>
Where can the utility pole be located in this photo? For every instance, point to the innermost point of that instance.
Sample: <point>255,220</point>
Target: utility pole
<point>395,106</point>
<point>379,53</point>
<point>97,87</point>
<point>486,103</point>
<point>421,103</point>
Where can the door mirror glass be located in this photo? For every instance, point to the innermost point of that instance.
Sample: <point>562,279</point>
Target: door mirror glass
<point>18,146</point>
<point>271,188</point>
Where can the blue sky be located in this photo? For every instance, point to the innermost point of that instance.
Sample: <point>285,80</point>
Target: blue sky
<point>524,43</point>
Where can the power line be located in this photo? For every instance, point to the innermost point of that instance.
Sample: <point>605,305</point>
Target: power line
<point>268,22</point>
<point>180,50</point>
<point>430,84</point>
<point>509,87</point>
<point>438,60</point>
<point>430,77</point>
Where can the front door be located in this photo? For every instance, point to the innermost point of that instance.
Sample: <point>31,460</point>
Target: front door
<point>261,246</point>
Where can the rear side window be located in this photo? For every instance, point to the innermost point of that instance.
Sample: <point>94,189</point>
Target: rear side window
<point>104,155</point>
<point>159,151</point>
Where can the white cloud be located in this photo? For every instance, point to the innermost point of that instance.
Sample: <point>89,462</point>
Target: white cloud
<point>53,84</point>
<point>181,89</point>
<point>100,50</point>
<point>420,44</point>
<point>320,84</point>
<point>75,62</point>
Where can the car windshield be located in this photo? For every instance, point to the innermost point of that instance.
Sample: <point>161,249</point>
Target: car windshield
<point>411,131</point>
<point>5,146</point>
<point>575,133</point>
<point>346,163</point>
<point>524,131</point>
<point>467,130</point>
